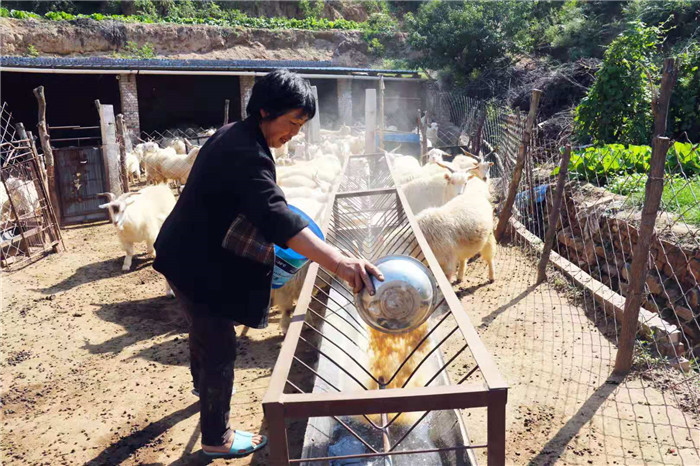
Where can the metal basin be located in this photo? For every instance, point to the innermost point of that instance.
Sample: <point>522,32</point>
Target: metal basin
<point>403,301</point>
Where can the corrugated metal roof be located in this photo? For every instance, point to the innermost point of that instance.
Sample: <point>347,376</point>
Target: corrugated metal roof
<point>107,63</point>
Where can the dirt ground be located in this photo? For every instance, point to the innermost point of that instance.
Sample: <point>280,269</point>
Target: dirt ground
<point>94,369</point>
<point>557,357</point>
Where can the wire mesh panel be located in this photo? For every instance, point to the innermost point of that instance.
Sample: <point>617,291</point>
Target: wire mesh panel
<point>28,228</point>
<point>367,394</point>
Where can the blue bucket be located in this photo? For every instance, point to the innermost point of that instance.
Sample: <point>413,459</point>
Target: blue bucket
<point>287,261</point>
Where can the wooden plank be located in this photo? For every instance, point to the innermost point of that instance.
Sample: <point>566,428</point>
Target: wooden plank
<point>370,121</point>
<point>110,149</point>
<point>123,138</point>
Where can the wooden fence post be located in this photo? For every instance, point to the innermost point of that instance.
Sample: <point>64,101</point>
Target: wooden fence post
<point>638,270</point>
<point>554,215</point>
<point>43,130</point>
<point>504,216</point>
<point>476,141</point>
<point>226,105</point>
<point>652,201</point>
<point>370,121</point>
<point>121,131</point>
<point>381,112</point>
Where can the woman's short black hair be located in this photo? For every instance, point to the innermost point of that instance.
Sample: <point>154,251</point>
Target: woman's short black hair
<point>279,92</point>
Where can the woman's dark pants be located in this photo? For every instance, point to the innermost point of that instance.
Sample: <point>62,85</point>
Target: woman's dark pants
<point>212,354</point>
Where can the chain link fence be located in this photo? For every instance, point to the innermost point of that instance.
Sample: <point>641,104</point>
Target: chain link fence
<point>595,234</point>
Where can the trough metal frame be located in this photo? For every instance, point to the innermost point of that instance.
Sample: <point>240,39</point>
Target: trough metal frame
<point>491,394</point>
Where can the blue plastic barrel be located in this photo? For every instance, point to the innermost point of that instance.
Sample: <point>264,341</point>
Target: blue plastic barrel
<point>287,261</point>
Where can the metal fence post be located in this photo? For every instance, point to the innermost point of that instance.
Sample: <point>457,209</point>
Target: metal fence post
<point>504,216</point>
<point>554,215</point>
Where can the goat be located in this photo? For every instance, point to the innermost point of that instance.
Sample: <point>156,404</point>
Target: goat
<point>460,229</point>
<point>435,190</point>
<point>138,217</point>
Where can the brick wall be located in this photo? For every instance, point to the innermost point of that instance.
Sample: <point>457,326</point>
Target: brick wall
<point>130,102</point>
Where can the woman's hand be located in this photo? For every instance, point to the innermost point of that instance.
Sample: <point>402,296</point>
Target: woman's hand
<point>354,271</point>
<point>357,273</point>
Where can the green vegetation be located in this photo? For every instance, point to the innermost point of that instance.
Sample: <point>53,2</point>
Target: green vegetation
<point>210,15</point>
<point>32,51</point>
<point>132,50</point>
<point>599,164</point>
<point>618,106</point>
<point>623,170</point>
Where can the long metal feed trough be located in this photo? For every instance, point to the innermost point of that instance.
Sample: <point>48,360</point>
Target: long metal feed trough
<point>362,410</point>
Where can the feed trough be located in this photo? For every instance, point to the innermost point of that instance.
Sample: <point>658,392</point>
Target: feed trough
<point>369,397</point>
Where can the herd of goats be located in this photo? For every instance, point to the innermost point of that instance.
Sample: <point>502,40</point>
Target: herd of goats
<point>451,200</point>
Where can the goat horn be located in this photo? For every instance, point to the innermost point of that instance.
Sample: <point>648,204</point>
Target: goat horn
<point>452,170</point>
<point>109,196</point>
<point>469,154</point>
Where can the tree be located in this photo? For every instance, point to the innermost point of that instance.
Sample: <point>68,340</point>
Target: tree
<point>617,108</point>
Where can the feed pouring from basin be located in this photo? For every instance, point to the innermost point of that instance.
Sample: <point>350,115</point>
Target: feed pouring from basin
<point>403,301</point>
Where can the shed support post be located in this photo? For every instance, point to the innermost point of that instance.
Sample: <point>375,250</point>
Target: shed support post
<point>381,113</point>
<point>370,121</point>
<point>314,126</point>
<point>345,101</point>
<point>246,84</point>
<point>128,92</point>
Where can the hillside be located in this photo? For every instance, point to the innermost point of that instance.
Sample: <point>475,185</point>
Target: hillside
<point>87,37</point>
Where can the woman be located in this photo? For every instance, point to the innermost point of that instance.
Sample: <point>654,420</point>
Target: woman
<point>215,248</point>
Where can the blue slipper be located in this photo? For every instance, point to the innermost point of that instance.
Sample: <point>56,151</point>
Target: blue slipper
<point>242,446</point>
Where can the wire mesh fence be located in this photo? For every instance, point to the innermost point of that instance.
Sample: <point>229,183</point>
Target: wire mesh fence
<point>28,228</point>
<point>596,233</point>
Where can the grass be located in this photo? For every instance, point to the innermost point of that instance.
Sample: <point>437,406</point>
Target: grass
<point>680,196</point>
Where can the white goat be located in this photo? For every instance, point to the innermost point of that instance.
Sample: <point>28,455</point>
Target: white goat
<point>165,164</point>
<point>133,166</point>
<point>23,195</point>
<point>435,190</point>
<point>460,229</point>
<point>139,216</point>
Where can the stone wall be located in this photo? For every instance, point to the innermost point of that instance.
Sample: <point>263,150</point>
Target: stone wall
<point>599,235</point>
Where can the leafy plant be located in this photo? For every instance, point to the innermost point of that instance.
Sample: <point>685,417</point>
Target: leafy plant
<point>617,107</point>
<point>132,50</point>
<point>32,51</point>
<point>311,8</point>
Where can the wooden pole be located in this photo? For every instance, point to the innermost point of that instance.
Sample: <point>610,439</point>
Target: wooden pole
<point>381,112</point>
<point>370,121</point>
<point>662,98</point>
<point>423,131</point>
<point>226,105</point>
<point>315,123</point>
<point>42,129</point>
<point>554,215</point>
<point>652,201</point>
<point>121,131</point>
<point>476,141</point>
<point>507,208</point>
<point>638,270</point>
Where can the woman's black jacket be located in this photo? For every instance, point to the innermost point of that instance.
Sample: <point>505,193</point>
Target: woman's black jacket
<point>233,174</point>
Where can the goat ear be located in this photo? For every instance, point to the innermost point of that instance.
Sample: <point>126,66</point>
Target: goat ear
<point>104,206</point>
<point>490,164</point>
